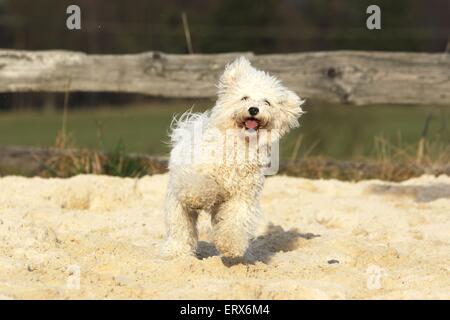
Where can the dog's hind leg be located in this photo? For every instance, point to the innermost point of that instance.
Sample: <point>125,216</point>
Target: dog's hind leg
<point>233,225</point>
<point>181,225</point>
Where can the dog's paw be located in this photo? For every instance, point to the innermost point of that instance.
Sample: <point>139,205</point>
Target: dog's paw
<point>231,247</point>
<point>171,249</point>
<point>247,258</point>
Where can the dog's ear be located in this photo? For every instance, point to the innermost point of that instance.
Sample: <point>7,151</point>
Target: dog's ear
<point>291,110</point>
<point>292,103</point>
<point>233,70</point>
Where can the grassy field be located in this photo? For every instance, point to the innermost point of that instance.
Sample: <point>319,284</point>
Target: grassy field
<point>332,131</point>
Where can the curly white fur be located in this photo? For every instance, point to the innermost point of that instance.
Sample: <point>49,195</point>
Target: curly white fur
<point>207,170</point>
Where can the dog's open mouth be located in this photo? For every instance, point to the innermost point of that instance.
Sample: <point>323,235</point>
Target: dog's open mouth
<point>251,124</point>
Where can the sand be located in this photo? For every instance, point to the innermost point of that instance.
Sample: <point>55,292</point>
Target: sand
<point>99,237</point>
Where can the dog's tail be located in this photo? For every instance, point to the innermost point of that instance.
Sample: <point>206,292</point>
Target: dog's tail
<point>186,124</point>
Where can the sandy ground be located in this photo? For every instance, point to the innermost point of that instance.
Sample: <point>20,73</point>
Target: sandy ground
<point>99,237</point>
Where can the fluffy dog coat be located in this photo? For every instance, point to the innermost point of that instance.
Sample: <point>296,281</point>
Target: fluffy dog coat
<point>206,171</point>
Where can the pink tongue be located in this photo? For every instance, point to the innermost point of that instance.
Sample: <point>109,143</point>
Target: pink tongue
<point>251,124</point>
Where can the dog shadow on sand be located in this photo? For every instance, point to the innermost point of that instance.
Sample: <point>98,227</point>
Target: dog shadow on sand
<point>262,248</point>
<point>420,193</point>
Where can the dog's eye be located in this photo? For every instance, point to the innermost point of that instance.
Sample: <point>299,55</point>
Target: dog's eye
<point>244,98</point>
<point>267,102</point>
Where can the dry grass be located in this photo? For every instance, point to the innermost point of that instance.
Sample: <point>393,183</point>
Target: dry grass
<point>392,163</point>
<point>67,162</point>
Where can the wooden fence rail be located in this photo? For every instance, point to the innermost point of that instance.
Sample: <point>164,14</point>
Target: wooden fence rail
<point>356,77</point>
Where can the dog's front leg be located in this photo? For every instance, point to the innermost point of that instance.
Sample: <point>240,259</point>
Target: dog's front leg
<point>233,225</point>
<point>181,227</point>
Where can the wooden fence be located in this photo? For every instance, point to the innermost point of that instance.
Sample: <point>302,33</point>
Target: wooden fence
<point>355,77</point>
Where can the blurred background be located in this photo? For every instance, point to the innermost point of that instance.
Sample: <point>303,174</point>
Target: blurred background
<point>138,124</point>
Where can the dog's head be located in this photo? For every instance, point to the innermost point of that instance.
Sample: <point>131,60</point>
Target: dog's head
<point>251,100</point>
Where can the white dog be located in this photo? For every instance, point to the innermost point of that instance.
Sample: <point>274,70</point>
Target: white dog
<point>215,167</point>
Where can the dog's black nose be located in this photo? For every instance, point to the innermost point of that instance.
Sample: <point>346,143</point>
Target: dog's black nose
<point>253,111</point>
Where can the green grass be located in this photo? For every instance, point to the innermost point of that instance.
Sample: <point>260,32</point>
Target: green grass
<point>334,131</point>
<point>349,132</point>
